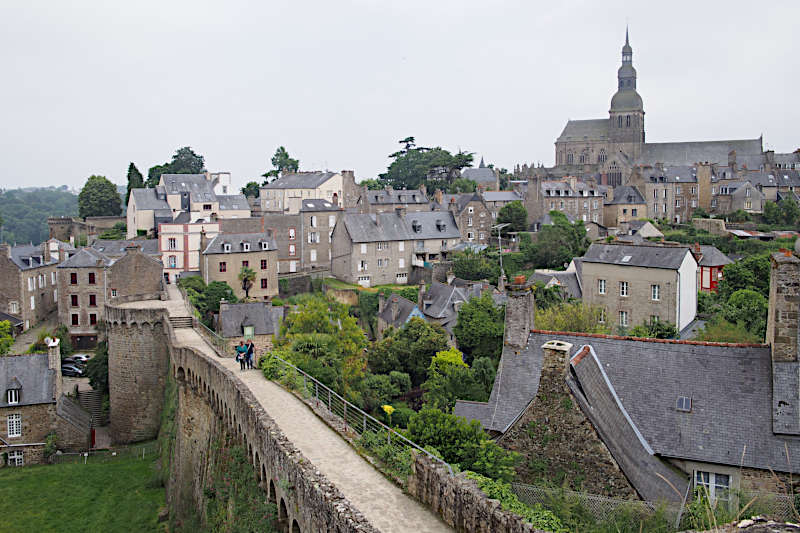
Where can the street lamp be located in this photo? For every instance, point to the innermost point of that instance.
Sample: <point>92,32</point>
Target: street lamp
<point>499,227</point>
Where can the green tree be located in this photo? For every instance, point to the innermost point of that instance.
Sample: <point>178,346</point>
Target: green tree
<point>184,161</point>
<point>6,339</point>
<point>557,243</point>
<point>414,165</point>
<point>740,215</point>
<point>97,368</point>
<point>749,273</point>
<point>474,266</point>
<point>700,213</point>
<point>747,308</point>
<point>25,212</point>
<point>576,316</point>
<point>251,190</point>
<point>408,350</point>
<point>213,293</point>
<point>462,185</point>
<point>479,330</point>
<point>462,443</point>
<point>720,330</point>
<point>515,214</point>
<point>790,212</point>
<point>450,379</point>
<point>772,213</point>
<point>117,232</point>
<point>655,330</point>
<point>372,184</point>
<point>247,275</point>
<point>154,174</point>
<point>135,180</point>
<point>282,163</point>
<point>99,197</point>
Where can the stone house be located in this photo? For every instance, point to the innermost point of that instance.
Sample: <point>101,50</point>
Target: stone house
<point>626,204</point>
<point>470,212</point>
<point>635,284</point>
<point>497,200</point>
<point>90,278</point>
<point>394,312</point>
<point>730,196</point>
<point>285,194</point>
<point>441,302</point>
<point>317,220</point>
<point>33,406</point>
<point>617,427</point>
<point>28,286</point>
<point>583,199</point>
<point>259,321</point>
<point>671,192</point>
<point>227,254</point>
<point>388,200</point>
<point>180,245</point>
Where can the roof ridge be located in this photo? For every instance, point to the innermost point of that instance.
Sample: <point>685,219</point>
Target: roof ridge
<point>649,339</point>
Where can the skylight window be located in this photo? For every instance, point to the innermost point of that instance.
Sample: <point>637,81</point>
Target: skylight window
<point>626,259</point>
<point>684,404</point>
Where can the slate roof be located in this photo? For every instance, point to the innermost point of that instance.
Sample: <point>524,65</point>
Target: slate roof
<point>501,196</point>
<point>30,373</point>
<point>318,205</point>
<point>626,194</point>
<point>432,225</point>
<point>393,196</point>
<point>146,199</point>
<point>116,248</point>
<point>264,317</point>
<point>671,174</point>
<point>404,309</point>
<point>460,200</point>
<point>578,130</point>
<point>198,187</point>
<point>568,281</point>
<point>668,257</point>
<point>479,175</point>
<point>439,299</point>
<point>300,180</point>
<point>14,320</point>
<point>27,256</point>
<point>547,220</point>
<point>237,240</point>
<point>690,153</point>
<point>232,202</point>
<point>86,257</point>
<point>363,227</point>
<point>712,256</point>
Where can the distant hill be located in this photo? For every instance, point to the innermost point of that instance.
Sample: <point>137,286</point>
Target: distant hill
<point>25,211</point>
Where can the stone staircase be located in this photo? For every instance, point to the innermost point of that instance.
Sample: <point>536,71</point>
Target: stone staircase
<point>92,401</point>
<point>181,321</point>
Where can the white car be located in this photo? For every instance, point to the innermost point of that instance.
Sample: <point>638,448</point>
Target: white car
<point>82,357</point>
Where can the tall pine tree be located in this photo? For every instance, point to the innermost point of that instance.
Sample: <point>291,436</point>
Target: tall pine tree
<point>135,180</point>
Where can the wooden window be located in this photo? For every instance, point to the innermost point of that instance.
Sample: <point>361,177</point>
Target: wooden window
<point>223,266</point>
<point>73,278</point>
<point>92,279</point>
<point>14,425</point>
<point>92,300</point>
<point>75,319</point>
<point>73,300</point>
<point>263,264</point>
<point>263,283</point>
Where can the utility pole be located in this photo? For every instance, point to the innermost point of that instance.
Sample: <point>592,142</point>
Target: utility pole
<point>499,227</point>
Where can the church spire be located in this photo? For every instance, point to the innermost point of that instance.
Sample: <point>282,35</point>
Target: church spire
<point>627,50</point>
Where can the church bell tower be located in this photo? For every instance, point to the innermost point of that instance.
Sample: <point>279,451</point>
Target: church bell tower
<point>626,115</point>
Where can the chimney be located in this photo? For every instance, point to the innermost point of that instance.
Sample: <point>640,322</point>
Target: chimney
<point>732,159</point>
<point>395,311</point>
<point>438,196</point>
<point>782,336</point>
<point>381,302</point>
<point>5,249</point>
<point>421,296</point>
<point>45,252</point>
<point>573,181</point>
<point>423,189</point>
<point>400,211</point>
<point>54,364</point>
<point>519,312</point>
<point>555,362</point>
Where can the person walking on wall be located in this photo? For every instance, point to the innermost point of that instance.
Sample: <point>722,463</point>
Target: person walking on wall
<point>241,355</point>
<point>251,349</point>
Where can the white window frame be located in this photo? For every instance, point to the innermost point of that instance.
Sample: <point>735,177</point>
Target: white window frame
<point>401,263</point>
<point>16,458</point>
<point>363,248</point>
<point>33,302</point>
<point>313,255</point>
<point>470,210</point>
<point>52,278</point>
<point>331,220</point>
<point>602,317</point>
<point>401,246</point>
<point>13,307</point>
<point>12,396</point>
<point>623,318</point>
<point>469,221</point>
<point>655,292</point>
<point>712,483</point>
<point>313,221</point>
<point>113,293</point>
<point>172,243</point>
<point>226,248</point>
<point>246,246</point>
<point>14,425</point>
<point>624,289</point>
<point>601,286</point>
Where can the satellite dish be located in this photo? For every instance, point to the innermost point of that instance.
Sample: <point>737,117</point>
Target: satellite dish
<point>48,341</point>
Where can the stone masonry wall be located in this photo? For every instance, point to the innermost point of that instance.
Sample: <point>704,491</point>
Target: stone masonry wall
<point>137,369</point>
<point>559,442</point>
<point>459,501</point>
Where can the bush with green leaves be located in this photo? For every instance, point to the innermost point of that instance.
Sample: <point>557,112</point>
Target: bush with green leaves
<point>655,330</point>
<point>449,379</point>
<point>395,457</point>
<point>479,329</point>
<point>6,340</point>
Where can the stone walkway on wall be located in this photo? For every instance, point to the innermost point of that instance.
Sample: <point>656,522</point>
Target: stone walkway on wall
<point>382,502</point>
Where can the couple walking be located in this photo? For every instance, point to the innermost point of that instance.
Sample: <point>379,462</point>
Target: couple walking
<point>245,354</point>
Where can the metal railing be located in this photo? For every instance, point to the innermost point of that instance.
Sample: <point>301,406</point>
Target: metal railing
<point>145,452</point>
<point>351,416</point>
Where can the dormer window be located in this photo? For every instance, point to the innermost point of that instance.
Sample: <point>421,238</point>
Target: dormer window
<point>226,248</point>
<point>12,396</point>
<point>246,246</point>
<point>264,245</point>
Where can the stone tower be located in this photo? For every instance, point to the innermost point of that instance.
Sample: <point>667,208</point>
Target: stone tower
<point>783,336</point>
<point>520,308</point>
<point>626,115</point>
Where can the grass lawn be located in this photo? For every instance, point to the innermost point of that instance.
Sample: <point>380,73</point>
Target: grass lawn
<point>109,497</point>
<point>339,284</point>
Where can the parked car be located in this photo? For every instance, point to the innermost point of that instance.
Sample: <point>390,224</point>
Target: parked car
<point>82,357</point>
<point>71,369</point>
<point>72,361</point>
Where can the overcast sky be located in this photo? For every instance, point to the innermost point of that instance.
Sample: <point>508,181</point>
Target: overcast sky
<point>88,87</point>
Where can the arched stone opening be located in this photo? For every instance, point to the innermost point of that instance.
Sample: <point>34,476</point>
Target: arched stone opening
<point>181,374</point>
<point>295,527</point>
<point>273,497</point>
<point>263,473</point>
<point>282,514</point>
<point>258,470</point>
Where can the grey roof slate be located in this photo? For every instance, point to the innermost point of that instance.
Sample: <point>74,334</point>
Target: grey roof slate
<point>13,320</point>
<point>479,175</point>
<point>432,225</point>
<point>671,174</point>
<point>232,202</point>
<point>264,317</point>
<point>712,256</point>
<point>116,248</point>
<point>568,281</point>
<point>690,153</point>
<point>363,227</point>
<point>27,256</point>
<point>501,196</point>
<point>393,196</point>
<point>404,309</point>
<point>460,200</point>
<point>32,374</point>
<point>318,205</point>
<point>644,255</point>
<point>626,194</point>
<point>300,180</point>
<point>86,257</point>
<point>198,187</point>
<point>439,299</point>
<point>237,241</point>
<point>578,130</point>
<point>146,199</point>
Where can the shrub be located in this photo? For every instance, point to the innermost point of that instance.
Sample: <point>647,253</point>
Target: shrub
<point>277,302</point>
